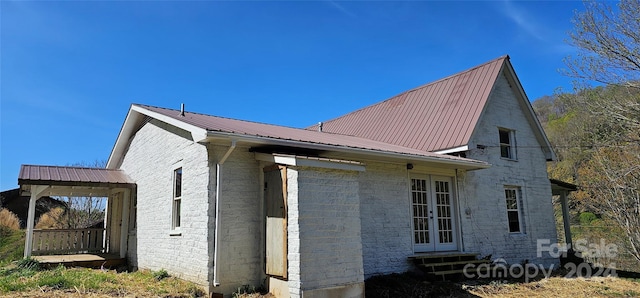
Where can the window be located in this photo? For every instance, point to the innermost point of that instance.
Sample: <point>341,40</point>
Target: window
<point>177,196</point>
<point>513,211</point>
<point>507,143</point>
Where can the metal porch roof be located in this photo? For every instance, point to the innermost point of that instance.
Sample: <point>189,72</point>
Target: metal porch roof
<point>72,176</point>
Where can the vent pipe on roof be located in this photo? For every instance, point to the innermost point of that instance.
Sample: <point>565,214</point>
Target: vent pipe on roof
<point>182,109</point>
<point>320,126</point>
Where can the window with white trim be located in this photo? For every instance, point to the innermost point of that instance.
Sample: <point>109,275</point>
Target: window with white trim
<point>512,196</point>
<point>507,143</point>
<point>177,198</point>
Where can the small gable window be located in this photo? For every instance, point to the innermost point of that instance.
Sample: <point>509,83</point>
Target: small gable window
<point>507,143</point>
<point>177,197</point>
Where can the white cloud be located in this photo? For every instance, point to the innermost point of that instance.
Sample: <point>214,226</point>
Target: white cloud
<point>524,21</point>
<point>341,8</point>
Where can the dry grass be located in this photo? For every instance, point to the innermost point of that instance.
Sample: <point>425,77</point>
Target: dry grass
<point>9,220</point>
<point>51,220</point>
<point>561,287</point>
<point>412,286</point>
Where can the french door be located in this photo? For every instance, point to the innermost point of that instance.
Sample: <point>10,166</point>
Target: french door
<point>434,223</point>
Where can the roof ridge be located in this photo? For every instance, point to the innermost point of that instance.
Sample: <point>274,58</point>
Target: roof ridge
<point>242,120</point>
<point>221,117</point>
<point>70,167</point>
<point>416,88</point>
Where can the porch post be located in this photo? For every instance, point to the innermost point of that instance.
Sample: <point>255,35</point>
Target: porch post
<point>565,219</point>
<point>124,227</point>
<point>36,191</point>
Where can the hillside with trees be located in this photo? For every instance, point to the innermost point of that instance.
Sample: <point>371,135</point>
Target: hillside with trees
<point>595,130</point>
<point>602,157</point>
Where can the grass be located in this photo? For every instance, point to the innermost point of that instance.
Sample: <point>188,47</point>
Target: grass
<point>62,281</point>
<point>23,277</point>
<point>11,245</point>
<point>561,287</point>
<point>408,285</point>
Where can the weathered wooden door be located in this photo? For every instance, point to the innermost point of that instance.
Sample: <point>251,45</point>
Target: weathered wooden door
<point>275,194</point>
<point>114,222</point>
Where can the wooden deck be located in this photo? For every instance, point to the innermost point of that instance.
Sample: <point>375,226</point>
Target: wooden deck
<point>82,260</point>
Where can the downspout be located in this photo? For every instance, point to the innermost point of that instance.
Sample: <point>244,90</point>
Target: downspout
<point>216,274</point>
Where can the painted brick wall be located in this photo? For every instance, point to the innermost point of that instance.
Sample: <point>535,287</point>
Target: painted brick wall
<point>485,228</point>
<point>154,151</point>
<point>329,251</point>
<point>385,211</point>
<point>241,220</point>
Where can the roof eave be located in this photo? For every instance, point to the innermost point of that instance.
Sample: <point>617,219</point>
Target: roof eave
<point>464,164</point>
<point>23,182</point>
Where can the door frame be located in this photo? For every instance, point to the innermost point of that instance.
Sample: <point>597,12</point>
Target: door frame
<point>279,268</point>
<point>455,220</point>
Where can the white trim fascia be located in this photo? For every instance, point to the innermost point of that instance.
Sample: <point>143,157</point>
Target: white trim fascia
<point>303,161</point>
<point>531,116</point>
<point>452,150</point>
<point>197,133</point>
<point>121,140</point>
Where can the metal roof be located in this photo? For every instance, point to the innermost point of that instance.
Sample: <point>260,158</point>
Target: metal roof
<point>436,116</point>
<point>72,176</point>
<point>559,185</point>
<point>214,124</point>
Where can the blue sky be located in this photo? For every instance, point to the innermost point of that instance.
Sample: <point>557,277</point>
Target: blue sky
<point>70,69</point>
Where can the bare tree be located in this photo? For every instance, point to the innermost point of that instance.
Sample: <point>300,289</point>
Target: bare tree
<point>81,212</point>
<point>608,42</point>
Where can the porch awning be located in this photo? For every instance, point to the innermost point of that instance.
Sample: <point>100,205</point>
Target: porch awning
<point>40,181</point>
<point>73,180</point>
<point>558,186</point>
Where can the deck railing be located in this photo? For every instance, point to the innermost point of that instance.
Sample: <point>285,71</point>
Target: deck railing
<point>68,241</point>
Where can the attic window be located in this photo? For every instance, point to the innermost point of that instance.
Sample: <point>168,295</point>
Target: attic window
<point>507,143</point>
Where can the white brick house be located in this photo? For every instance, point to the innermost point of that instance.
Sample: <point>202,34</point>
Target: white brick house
<point>458,165</point>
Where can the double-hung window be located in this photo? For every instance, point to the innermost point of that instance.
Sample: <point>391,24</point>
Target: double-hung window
<point>512,196</point>
<point>507,143</point>
<point>177,198</point>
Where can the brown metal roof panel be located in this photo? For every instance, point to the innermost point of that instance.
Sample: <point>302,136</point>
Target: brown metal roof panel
<point>399,135</point>
<point>445,116</point>
<point>55,174</point>
<point>278,132</point>
<point>457,132</point>
<point>472,101</point>
<point>489,79</point>
<point>437,113</point>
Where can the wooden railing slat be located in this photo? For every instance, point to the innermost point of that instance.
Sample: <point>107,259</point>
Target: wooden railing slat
<point>68,240</point>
